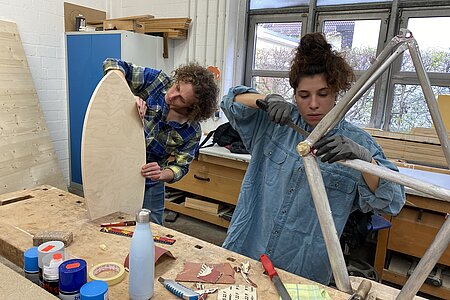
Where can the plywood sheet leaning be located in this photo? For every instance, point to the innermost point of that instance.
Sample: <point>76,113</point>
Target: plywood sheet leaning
<point>112,150</point>
<point>27,156</point>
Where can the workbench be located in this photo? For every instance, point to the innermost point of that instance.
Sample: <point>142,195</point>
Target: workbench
<point>26,212</point>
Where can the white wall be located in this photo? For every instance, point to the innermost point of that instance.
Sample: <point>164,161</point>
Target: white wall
<point>41,28</point>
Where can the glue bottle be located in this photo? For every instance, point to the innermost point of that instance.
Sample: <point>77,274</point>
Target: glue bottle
<point>142,259</point>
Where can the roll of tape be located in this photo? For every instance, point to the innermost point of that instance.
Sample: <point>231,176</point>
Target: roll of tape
<point>110,267</point>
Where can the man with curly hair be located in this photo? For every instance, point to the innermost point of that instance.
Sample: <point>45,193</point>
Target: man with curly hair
<point>171,109</point>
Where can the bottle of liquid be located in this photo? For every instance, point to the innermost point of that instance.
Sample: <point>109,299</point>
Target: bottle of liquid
<point>142,259</point>
<point>51,274</point>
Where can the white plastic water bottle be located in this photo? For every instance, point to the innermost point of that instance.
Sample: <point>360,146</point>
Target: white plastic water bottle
<point>142,259</point>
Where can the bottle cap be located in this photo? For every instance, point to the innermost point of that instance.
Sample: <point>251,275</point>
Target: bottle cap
<point>72,275</point>
<point>94,290</point>
<point>143,216</point>
<point>31,260</point>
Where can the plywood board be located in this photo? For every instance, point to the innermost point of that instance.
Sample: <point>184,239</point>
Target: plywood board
<point>112,150</point>
<point>444,109</point>
<point>71,11</point>
<point>27,155</point>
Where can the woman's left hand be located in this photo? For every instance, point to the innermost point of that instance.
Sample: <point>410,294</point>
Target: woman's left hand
<point>338,147</point>
<point>141,106</point>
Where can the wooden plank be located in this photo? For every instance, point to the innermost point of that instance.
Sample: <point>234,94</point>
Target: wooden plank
<point>203,205</point>
<point>27,156</point>
<point>71,11</point>
<point>112,150</point>
<point>444,109</point>
<point>53,208</point>
<point>198,214</point>
<point>16,287</point>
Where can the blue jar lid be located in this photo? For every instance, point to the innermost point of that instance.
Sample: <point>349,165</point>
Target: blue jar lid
<point>94,290</point>
<point>30,262</point>
<point>72,275</point>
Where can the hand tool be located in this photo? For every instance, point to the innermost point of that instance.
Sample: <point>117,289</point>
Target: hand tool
<point>180,290</point>
<point>121,223</point>
<point>362,291</point>
<point>263,105</point>
<point>268,266</point>
<point>129,233</point>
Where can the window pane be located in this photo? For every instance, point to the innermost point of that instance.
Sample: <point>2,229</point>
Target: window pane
<point>275,43</point>
<point>358,39</point>
<point>273,85</point>
<point>337,2</point>
<point>433,45</point>
<point>258,4</point>
<point>410,109</point>
<point>359,114</point>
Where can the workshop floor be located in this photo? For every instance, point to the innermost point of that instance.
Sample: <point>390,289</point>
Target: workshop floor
<point>202,230</point>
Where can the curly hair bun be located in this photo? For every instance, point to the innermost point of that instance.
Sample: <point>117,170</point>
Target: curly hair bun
<point>314,48</point>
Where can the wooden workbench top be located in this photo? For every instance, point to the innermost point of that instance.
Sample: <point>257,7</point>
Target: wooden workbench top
<point>26,212</point>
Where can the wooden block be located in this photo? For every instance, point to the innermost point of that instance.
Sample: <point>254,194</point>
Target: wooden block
<point>203,205</point>
<point>51,235</point>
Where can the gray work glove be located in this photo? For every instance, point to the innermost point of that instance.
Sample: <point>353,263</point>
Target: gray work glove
<point>338,147</point>
<point>278,109</point>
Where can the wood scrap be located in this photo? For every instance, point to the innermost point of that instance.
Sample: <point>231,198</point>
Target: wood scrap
<point>27,155</point>
<point>418,149</point>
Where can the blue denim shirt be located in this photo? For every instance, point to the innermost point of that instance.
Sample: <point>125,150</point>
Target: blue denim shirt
<point>275,213</point>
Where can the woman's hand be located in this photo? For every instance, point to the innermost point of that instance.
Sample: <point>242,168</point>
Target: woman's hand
<point>141,106</point>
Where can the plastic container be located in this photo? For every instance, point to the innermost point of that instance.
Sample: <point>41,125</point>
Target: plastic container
<point>30,265</point>
<point>72,276</point>
<point>94,290</point>
<point>46,250</point>
<point>142,259</point>
<point>51,274</point>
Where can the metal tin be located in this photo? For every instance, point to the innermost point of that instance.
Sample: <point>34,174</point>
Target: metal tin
<point>72,276</point>
<point>94,290</point>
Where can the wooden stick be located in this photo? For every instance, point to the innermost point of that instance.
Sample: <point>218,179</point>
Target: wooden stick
<point>326,222</point>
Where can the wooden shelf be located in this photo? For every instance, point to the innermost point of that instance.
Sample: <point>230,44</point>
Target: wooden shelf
<point>198,214</point>
<point>400,279</point>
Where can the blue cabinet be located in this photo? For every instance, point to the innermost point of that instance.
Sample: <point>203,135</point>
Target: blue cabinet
<point>85,55</point>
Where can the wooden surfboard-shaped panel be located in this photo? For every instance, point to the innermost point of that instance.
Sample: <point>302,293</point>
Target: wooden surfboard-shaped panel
<point>112,150</point>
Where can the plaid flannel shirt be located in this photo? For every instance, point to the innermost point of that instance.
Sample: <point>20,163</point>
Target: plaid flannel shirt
<point>163,138</point>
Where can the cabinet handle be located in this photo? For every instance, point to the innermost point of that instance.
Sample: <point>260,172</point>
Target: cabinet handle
<point>202,178</point>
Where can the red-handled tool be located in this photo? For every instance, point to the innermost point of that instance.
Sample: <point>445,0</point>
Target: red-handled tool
<point>268,266</point>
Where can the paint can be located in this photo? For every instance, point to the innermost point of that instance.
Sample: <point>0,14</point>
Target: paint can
<point>30,265</point>
<point>72,276</point>
<point>47,249</point>
<point>80,21</point>
<point>94,290</point>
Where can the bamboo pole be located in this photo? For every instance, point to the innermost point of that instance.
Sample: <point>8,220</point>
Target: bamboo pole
<point>419,185</point>
<point>430,98</point>
<point>326,222</point>
<point>340,109</point>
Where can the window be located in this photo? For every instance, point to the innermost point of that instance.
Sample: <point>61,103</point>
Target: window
<point>358,36</point>
<point>269,56</point>
<point>409,108</point>
<point>360,29</point>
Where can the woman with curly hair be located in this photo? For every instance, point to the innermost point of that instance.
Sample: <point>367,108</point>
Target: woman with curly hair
<point>275,213</point>
<point>171,109</point>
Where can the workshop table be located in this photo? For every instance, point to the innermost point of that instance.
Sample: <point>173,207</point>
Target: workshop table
<point>24,213</point>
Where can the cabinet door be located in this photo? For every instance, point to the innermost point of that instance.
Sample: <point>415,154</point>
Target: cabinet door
<point>85,55</point>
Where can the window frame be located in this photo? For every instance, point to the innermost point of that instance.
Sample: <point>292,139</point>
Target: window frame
<point>250,72</point>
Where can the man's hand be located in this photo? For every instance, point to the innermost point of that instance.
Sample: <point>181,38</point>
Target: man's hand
<point>278,109</point>
<point>152,171</point>
<point>339,147</point>
<point>141,106</point>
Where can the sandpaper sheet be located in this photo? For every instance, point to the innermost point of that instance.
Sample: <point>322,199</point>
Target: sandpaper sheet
<point>192,269</point>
